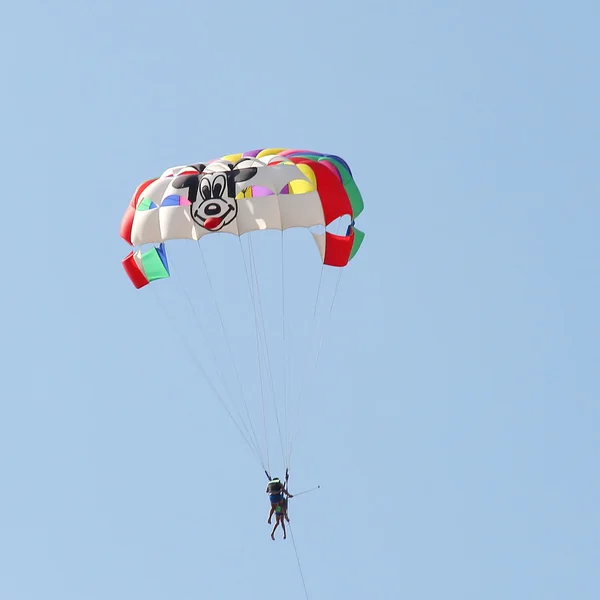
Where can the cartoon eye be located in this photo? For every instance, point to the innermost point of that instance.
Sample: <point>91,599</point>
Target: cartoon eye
<point>218,186</point>
<point>205,189</point>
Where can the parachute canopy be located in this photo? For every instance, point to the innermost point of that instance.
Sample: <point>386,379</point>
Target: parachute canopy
<point>274,188</point>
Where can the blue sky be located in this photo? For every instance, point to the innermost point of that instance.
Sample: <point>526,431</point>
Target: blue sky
<point>452,424</point>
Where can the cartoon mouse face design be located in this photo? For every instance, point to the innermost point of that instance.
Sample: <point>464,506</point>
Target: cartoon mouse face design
<point>215,206</point>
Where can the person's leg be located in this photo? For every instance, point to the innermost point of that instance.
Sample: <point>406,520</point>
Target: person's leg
<point>274,528</point>
<point>285,507</point>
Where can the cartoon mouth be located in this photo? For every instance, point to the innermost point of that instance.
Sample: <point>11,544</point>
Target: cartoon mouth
<point>213,223</point>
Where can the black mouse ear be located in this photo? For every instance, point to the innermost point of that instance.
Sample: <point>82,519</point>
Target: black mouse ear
<point>184,181</point>
<point>240,175</point>
<point>199,167</point>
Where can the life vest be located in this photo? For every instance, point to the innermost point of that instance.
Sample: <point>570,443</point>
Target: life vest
<point>275,486</point>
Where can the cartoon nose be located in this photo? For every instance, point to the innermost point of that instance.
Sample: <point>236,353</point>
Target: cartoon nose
<point>212,209</point>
